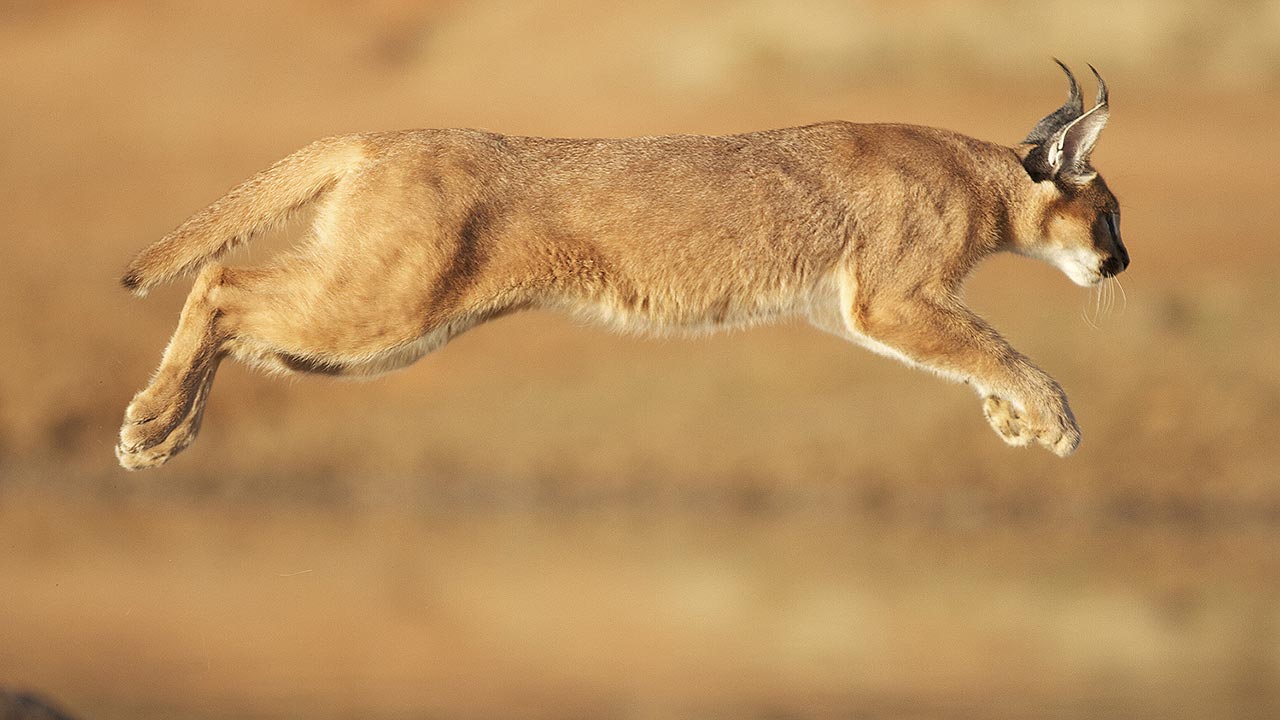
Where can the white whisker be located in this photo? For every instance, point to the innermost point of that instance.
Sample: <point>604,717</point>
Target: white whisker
<point>1104,297</point>
<point>1084,310</point>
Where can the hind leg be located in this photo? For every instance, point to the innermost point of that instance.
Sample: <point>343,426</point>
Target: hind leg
<point>287,318</point>
<point>164,417</point>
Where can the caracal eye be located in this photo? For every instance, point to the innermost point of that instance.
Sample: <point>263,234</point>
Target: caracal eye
<point>1113,224</point>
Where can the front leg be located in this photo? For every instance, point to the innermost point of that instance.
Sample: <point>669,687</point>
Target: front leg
<point>1022,403</point>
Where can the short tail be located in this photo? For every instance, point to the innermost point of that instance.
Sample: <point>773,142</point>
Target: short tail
<point>249,209</point>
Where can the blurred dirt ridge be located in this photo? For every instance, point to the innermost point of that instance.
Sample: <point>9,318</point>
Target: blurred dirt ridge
<point>27,706</point>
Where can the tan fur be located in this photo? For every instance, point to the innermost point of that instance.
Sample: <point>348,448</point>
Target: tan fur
<point>867,231</point>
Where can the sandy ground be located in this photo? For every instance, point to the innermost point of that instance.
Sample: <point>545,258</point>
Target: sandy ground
<point>545,520</point>
<point>157,612</point>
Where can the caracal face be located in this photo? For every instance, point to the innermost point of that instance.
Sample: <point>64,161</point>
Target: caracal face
<point>1076,224</point>
<point>1082,233</point>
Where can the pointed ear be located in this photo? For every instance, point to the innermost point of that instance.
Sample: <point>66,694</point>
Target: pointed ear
<point>1056,120</point>
<point>1062,154</point>
<point>1067,152</point>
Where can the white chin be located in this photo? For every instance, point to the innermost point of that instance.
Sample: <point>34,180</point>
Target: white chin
<point>1082,277</point>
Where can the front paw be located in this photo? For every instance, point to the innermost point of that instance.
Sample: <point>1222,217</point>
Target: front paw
<point>1049,423</point>
<point>1060,435</point>
<point>1008,423</point>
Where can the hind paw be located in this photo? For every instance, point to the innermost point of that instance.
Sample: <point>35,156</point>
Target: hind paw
<point>154,432</point>
<point>147,423</point>
<point>152,452</point>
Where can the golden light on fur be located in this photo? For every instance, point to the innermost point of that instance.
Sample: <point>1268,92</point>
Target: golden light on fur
<point>866,231</point>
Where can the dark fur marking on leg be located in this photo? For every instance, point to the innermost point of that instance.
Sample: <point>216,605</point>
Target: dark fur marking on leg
<point>463,269</point>
<point>303,364</point>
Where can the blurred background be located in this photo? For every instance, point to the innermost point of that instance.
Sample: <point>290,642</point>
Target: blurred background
<point>544,520</point>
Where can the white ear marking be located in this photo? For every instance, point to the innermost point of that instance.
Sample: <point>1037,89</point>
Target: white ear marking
<point>1055,150</point>
<point>1082,134</point>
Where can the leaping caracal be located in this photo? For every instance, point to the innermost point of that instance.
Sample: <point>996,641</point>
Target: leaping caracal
<point>866,231</point>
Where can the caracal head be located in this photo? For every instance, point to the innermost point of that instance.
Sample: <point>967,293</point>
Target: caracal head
<point>1074,223</point>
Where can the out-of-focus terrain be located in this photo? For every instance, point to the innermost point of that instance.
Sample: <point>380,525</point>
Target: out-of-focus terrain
<point>545,520</point>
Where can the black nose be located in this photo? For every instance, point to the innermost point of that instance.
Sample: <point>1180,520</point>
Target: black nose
<point>1124,256</point>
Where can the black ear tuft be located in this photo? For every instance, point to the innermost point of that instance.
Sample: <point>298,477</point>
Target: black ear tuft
<point>1103,97</point>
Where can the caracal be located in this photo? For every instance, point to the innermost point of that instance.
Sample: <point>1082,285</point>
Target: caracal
<point>865,231</point>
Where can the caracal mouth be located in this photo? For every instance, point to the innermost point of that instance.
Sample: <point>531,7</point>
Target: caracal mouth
<point>1085,278</point>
